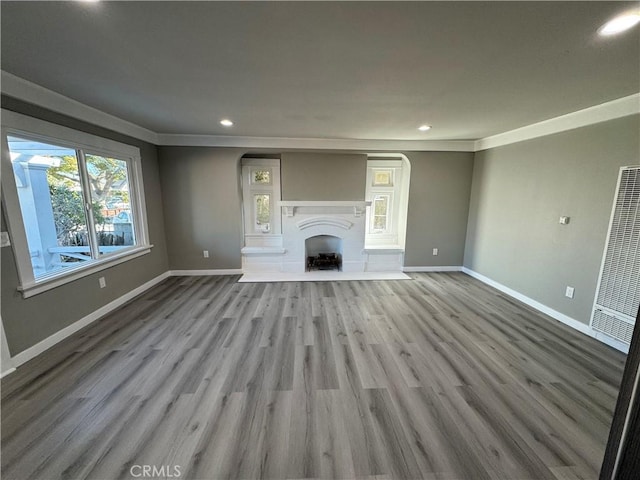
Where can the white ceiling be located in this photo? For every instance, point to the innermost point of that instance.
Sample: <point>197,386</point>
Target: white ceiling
<point>354,70</point>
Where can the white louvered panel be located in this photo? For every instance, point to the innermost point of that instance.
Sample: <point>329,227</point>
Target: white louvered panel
<point>612,326</point>
<point>619,288</point>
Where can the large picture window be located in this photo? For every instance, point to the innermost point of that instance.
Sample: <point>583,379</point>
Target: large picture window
<point>72,205</point>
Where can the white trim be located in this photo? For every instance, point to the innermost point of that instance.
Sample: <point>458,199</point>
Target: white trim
<point>195,273</point>
<point>289,206</point>
<point>432,269</point>
<point>606,243</point>
<point>621,107</point>
<point>612,342</point>
<point>321,221</point>
<point>26,91</point>
<point>36,128</point>
<point>319,276</point>
<point>249,192</point>
<point>324,203</point>
<point>618,315</point>
<point>561,317</point>
<point>262,251</point>
<point>382,249</point>
<point>6,363</point>
<point>60,335</point>
<point>84,270</point>
<point>317,143</point>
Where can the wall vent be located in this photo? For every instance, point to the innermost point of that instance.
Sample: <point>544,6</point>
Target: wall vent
<point>612,326</point>
<point>618,294</point>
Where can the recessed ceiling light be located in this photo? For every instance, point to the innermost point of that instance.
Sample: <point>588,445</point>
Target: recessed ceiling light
<point>620,24</point>
<point>226,122</point>
<point>424,128</point>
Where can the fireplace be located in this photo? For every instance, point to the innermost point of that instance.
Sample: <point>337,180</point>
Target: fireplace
<point>321,240</point>
<point>333,233</point>
<point>323,252</point>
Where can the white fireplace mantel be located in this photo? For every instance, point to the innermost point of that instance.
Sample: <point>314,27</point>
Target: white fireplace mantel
<point>357,207</point>
<point>301,220</point>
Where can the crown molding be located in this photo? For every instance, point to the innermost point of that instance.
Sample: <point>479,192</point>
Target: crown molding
<point>621,107</point>
<point>27,91</point>
<point>316,143</point>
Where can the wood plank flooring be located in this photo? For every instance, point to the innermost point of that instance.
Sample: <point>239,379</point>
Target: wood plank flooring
<point>439,377</point>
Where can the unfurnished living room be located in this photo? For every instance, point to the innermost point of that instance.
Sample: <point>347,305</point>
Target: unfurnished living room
<point>320,240</point>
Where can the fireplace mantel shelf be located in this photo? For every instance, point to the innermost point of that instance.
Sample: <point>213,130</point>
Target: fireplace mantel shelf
<point>289,206</point>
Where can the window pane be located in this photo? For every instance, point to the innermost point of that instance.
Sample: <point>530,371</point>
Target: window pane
<point>261,176</point>
<point>51,203</point>
<point>382,178</point>
<point>112,213</point>
<point>380,223</point>
<point>380,204</point>
<point>380,212</point>
<point>263,212</point>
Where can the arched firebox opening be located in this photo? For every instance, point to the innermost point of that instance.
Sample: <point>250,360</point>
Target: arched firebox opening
<point>323,252</point>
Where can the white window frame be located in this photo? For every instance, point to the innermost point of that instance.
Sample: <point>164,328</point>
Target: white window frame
<point>15,124</point>
<point>254,212</point>
<point>388,236</point>
<point>389,217</point>
<point>254,237</point>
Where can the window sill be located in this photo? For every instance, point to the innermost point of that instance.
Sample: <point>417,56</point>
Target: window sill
<point>263,251</point>
<point>91,267</point>
<point>383,249</point>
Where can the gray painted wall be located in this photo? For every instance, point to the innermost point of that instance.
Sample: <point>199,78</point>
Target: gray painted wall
<point>322,176</point>
<point>438,207</point>
<point>520,191</point>
<point>28,321</point>
<point>202,200</point>
<point>509,216</point>
<point>202,206</point>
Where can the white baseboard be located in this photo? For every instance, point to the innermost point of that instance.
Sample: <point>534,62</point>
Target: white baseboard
<point>432,269</point>
<point>57,337</point>
<point>195,273</point>
<point>561,317</point>
<point>11,370</point>
<point>60,335</point>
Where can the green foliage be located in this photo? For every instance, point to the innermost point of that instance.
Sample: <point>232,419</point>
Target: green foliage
<point>263,215</point>
<point>262,176</point>
<point>103,173</point>
<point>66,174</point>
<point>68,213</point>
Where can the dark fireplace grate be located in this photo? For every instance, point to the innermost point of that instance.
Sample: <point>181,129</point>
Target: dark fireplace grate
<point>324,261</point>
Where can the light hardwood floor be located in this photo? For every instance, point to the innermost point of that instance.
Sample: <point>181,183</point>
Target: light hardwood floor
<point>438,377</point>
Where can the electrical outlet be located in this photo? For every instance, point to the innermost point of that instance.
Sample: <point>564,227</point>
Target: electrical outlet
<point>102,282</point>
<point>205,253</point>
<point>569,292</point>
<point>435,251</point>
